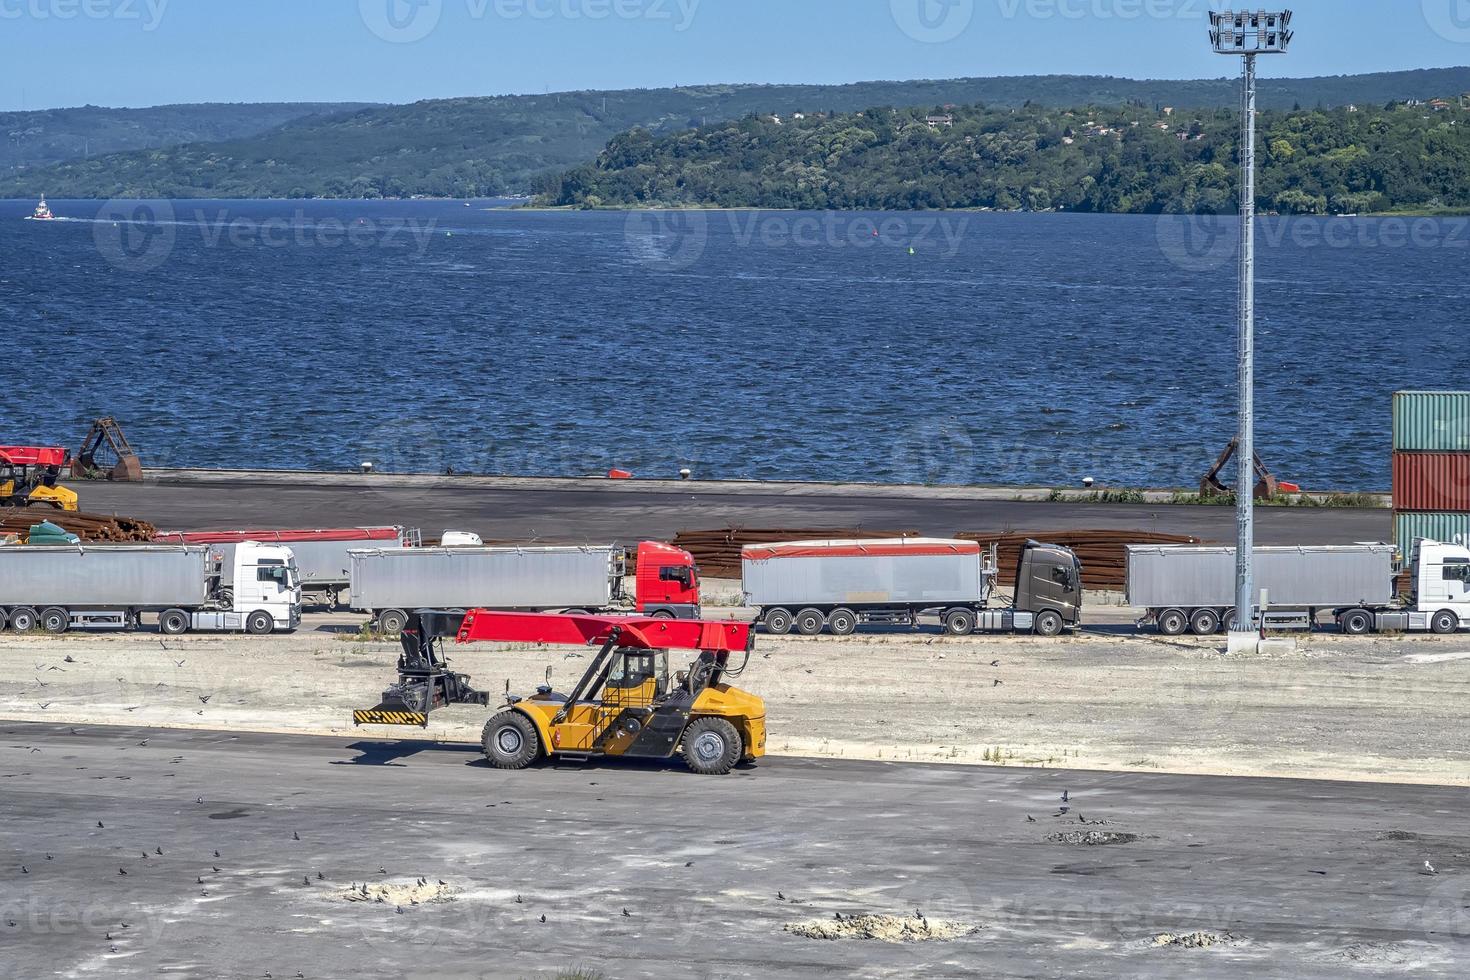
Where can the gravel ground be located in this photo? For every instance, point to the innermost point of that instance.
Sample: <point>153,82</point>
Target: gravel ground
<point>1379,709</point>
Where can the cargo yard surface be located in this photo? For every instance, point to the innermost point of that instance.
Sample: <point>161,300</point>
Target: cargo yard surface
<point>913,776</point>
<point>600,511</point>
<point>1339,708</point>
<point>204,854</point>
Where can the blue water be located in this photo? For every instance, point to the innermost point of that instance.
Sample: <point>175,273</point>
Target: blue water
<point>1007,348</point>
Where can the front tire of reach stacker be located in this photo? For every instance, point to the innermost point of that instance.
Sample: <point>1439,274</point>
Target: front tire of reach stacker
<point>510,741</point>
<point>711,746</point>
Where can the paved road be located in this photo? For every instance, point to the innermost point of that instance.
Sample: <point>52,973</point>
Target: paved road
<point>555,511</point>
<point>1307,879</point>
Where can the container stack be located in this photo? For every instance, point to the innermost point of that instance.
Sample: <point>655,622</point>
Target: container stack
<point>1431,468</point>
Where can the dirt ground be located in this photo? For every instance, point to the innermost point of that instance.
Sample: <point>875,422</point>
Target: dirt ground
<point>1376,709</point>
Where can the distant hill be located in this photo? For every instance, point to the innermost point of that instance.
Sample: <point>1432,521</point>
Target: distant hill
<point>49,136</point>
<point>1103,159</point>
<point>488,146</point>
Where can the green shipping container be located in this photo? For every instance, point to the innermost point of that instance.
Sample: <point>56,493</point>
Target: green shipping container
<point>1445,527</point>
<point>1431,421</point>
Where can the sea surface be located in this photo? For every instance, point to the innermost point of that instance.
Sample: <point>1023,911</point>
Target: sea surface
<point>933,347</point>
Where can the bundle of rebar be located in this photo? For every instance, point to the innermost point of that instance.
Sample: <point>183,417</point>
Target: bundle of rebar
<point>1103,554</point>
<point>717,552</point>
<point>94,528</point>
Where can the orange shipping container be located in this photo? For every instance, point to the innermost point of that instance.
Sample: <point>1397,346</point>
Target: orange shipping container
<point>1431,481</point>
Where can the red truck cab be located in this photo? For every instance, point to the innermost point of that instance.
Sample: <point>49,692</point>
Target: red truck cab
<point>667,582</point>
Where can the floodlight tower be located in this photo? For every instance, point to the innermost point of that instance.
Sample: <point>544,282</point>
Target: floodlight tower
<point>1247,34</point>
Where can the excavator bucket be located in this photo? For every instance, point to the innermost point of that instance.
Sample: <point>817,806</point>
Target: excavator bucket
<point>106,454</point>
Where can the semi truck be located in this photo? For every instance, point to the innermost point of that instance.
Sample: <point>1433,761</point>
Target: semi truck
<point>321,555</point>
<point>389,584</point>
<point>837,586</point>
<point>1189,589</point>
<point>112,586</point>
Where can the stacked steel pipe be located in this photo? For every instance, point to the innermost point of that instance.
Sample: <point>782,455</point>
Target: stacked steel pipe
<point>1103,554</point>
<point>94,528</point>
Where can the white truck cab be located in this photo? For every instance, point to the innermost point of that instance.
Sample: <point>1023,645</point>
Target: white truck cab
<point>1441,585</point>
<point>265,597</point>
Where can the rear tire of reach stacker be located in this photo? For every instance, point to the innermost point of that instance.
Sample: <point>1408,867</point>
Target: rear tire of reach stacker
<point>711,746</point>
<point>510,741</point>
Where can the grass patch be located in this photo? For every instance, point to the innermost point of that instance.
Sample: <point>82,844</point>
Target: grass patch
<point>1340,501</point>
<point>1098,497</point>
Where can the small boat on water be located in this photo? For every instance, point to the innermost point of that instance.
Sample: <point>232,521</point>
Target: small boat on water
<point>42,212</point>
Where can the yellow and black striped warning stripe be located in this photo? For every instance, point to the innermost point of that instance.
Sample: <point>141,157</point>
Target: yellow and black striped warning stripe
<point>375,717</point>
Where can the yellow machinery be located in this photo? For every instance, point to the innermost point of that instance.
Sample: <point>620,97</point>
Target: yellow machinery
<point>627,703</point>
<point>28,475</point>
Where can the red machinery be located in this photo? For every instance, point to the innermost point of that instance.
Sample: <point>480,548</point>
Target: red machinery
<point>485,626</point>
<point>666,579</point>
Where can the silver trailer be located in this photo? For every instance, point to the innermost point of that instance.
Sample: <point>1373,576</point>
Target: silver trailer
<point>109,586</point>
<point>1189,588</point>
<point>809,586</point>
<point>388,583</point>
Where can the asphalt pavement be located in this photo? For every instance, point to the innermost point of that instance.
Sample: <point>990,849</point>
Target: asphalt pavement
<point>134,852</point>
<point>604,511</point>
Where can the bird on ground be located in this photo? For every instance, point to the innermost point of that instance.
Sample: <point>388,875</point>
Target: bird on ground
<point>543,918</point>
<point>99,823</point>
<point>399,909</point>
<point>200,802</point>
<point>322,877</point>
<point>995,663</point>
<point>122,871</point>
<point>108,937</point>
<point>1066,797</point>
<point>627,914</point>
<point>382,871</point>
<point>780,897</point>
<point>441,882</point>
<point>49,857</point>
<point>998,682</point>
<point>215,867</point>
<point>688,864</point>
<point>158,851</point>
<point>1030,818</point>
<point>47,705</point>
<point>204,698</point>
<point>518,900</point>
<point>199,880</point>
<point>1428,869</point>
<point>24,870</point>
<point>68,660</point>
<point>178,663</point>
<point>295,835</point>
<point>216,853</point>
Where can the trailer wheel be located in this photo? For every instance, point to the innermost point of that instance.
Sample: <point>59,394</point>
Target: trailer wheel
<point>23,620</point>
<point>1356,622</point>
<point>1204,622</point>
<point>259,623</point>
<point>55,619</point>
<point>510,741</point>
<point>711,746</point>
<point>842,622</point>
<point>959,622</point>
<point>1444,623</point>
<point>1173,622</point>
<point>1049,623</point>
<point>392,621</point>
<point>809,622</point>
<point>778,621</point>
<point>173,622</point>
<point>4,620</point>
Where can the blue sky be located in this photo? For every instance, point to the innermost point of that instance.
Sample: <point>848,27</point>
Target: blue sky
<point>147,52</point>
